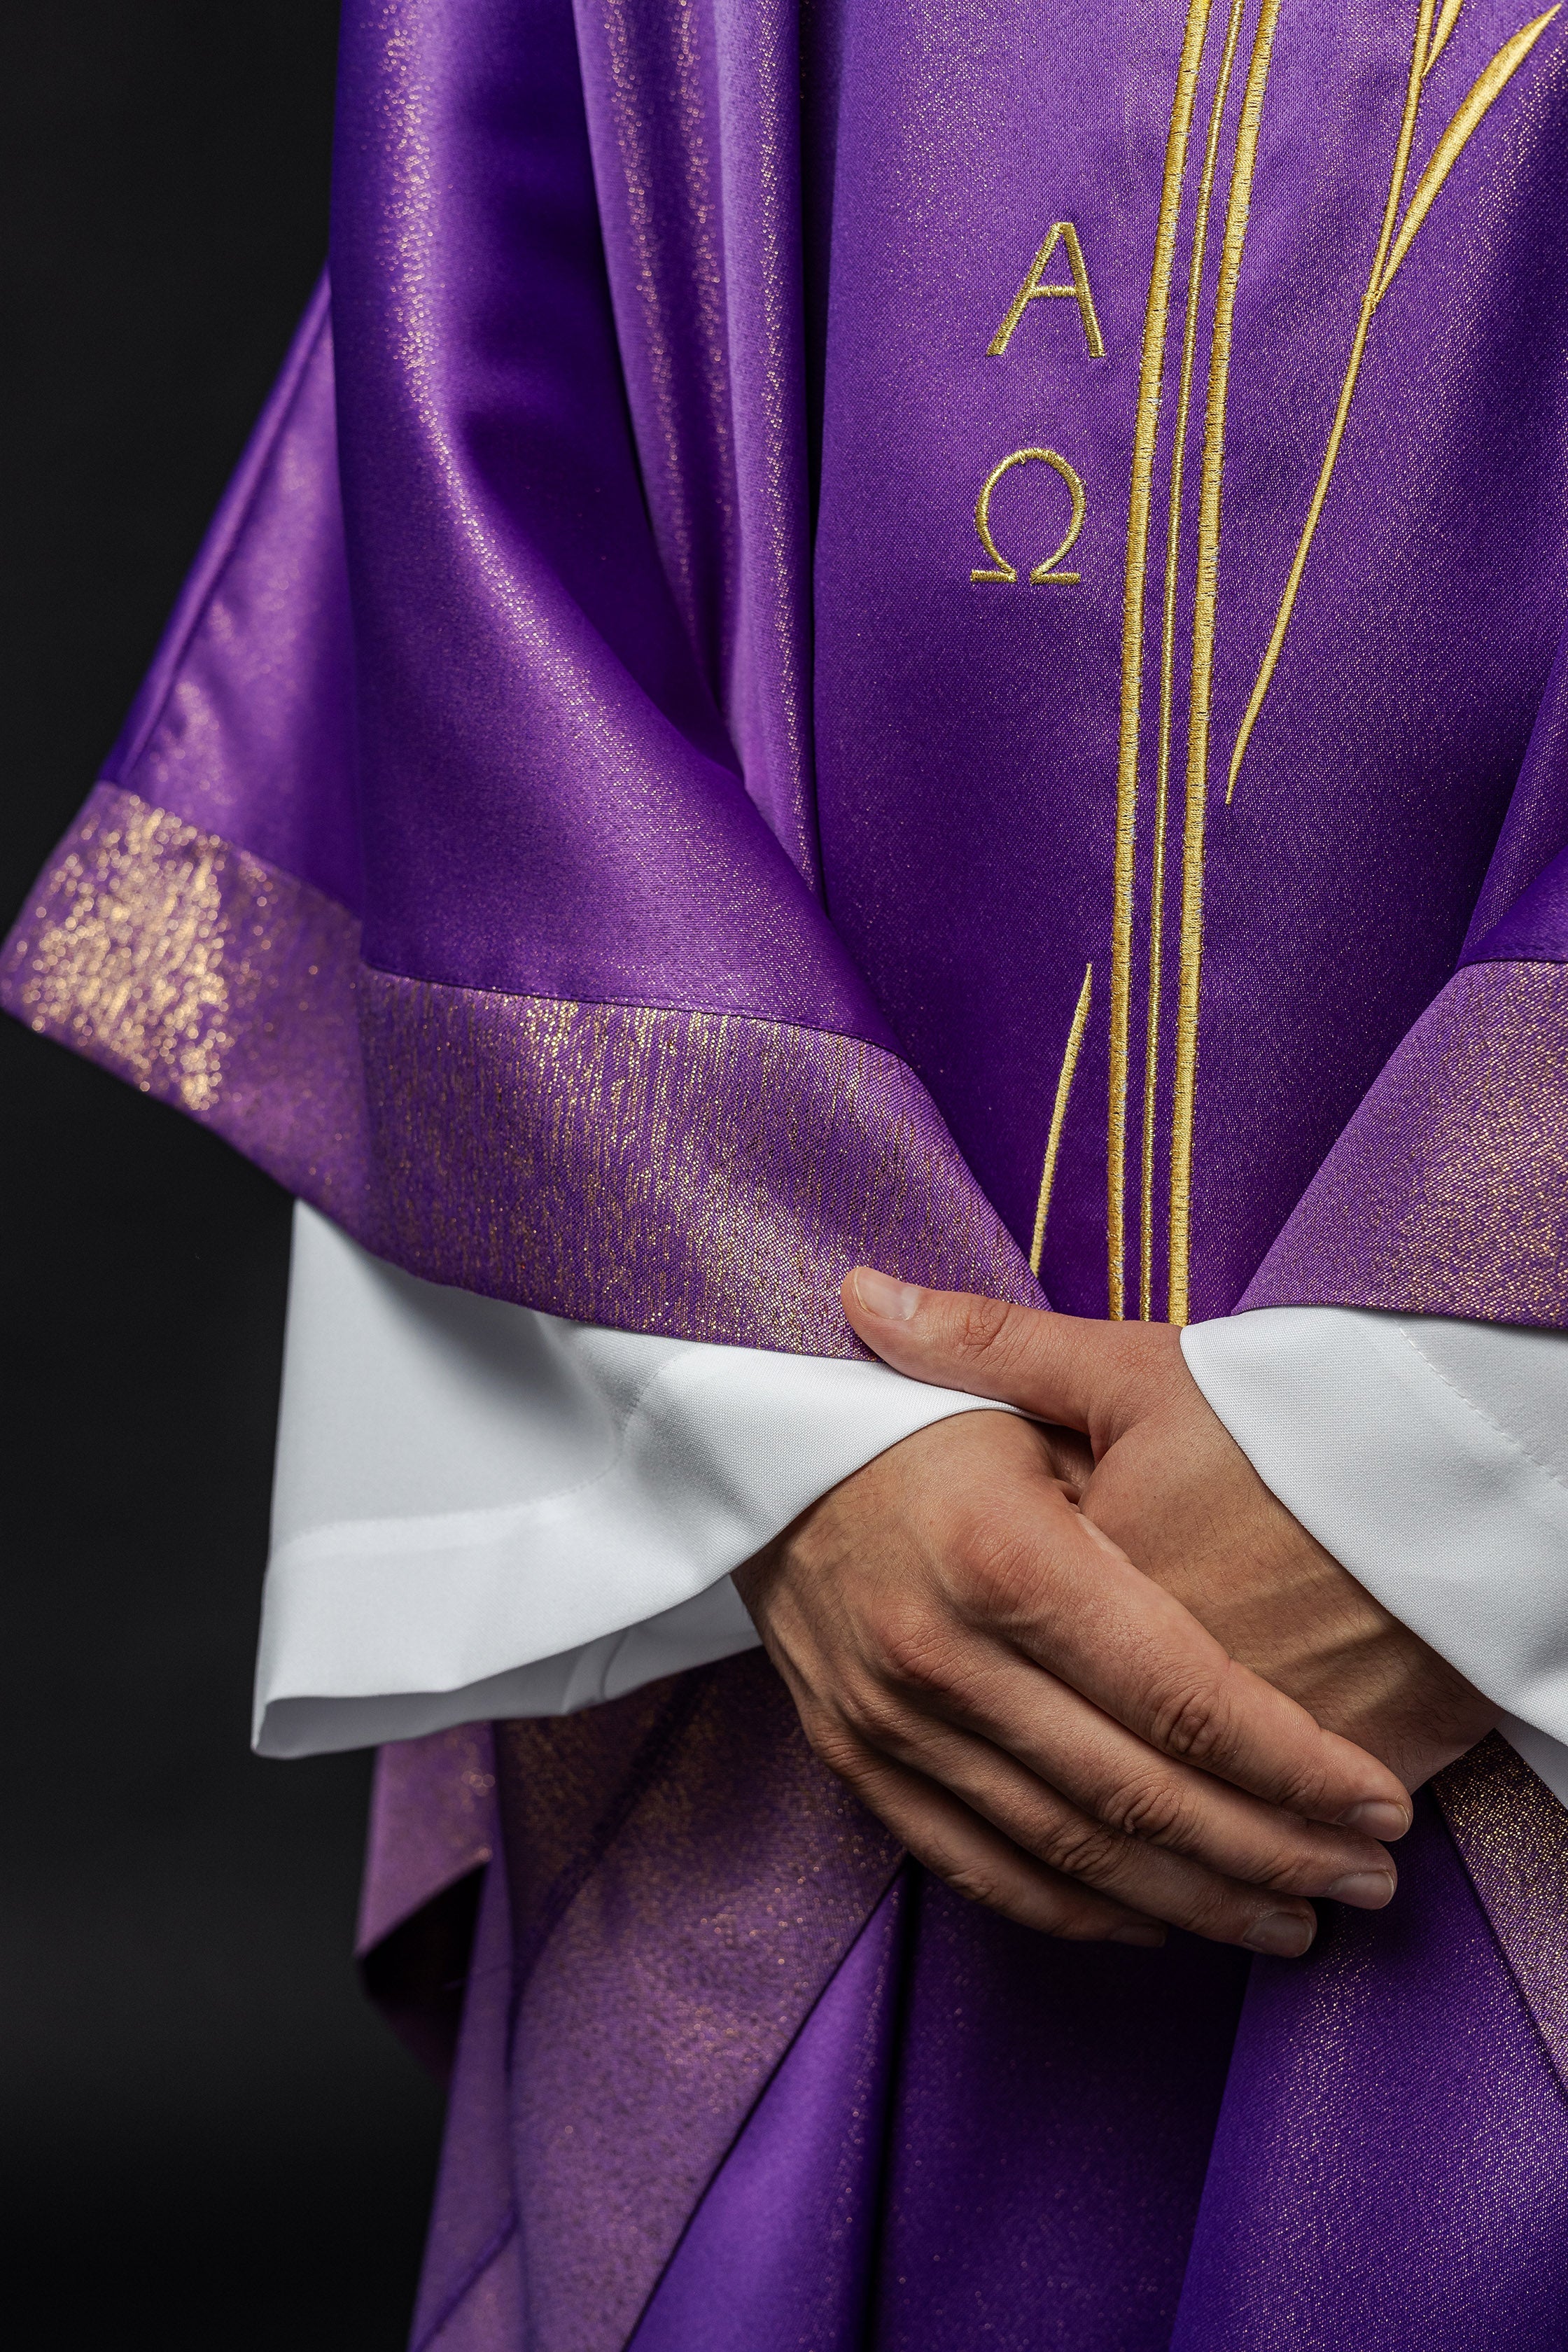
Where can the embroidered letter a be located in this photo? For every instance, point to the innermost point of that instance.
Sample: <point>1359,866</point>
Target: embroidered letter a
<point>1032,290</point>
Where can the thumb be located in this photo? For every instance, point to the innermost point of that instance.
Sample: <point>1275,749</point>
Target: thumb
<point>1044,1363</point>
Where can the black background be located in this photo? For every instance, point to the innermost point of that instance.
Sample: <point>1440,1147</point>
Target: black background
<point>209,2139</point>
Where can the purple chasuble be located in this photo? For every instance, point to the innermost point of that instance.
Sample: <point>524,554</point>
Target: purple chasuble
<point>936,639</point>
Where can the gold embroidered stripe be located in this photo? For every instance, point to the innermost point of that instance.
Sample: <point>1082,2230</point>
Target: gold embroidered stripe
<point>1150,372</point>
<point>1185,1084</point>
<point>1168,657</point>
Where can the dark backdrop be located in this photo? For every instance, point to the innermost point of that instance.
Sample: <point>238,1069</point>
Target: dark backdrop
<point>208,2140</point>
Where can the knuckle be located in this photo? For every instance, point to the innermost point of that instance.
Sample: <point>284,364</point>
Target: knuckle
<point>1216,1915</point>
<point>1152,1809</point>
<point>836,1744</point>
<point>1304,1790</point>
<point>1194,1721</point>
<point>872,1715</point>
<point>978,1323</point>
<point>995,1565</point>
<point>1081,1848</point>
<point>974,1883</point>
<point>913,1652</point>
<point>1288,1870</point>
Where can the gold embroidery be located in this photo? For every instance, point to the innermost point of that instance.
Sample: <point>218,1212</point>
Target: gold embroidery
<point>1058,1117</point>
<point>1033,290</point>
<point>1488,86</point>
<point>1168,660</point>
<point>1150,376</point>
<point>1445,22</point>
<point>1211,482</point>
<point>1390,251</point>
<point>1042,572</point>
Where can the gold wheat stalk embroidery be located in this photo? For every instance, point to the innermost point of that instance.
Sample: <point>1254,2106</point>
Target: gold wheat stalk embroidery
<point>1447,19</point>
<point>1392,247</point>
<point>1206,601</point>
<point>1151,373</point>
<point>1058,1117</point>
<point>1168,657</point>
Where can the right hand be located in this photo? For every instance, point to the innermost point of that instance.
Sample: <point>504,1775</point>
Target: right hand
<point>939,1618</point>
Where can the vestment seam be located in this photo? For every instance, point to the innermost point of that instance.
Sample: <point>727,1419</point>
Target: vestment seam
<point>1515,1443</point>
<point>641,1005</point>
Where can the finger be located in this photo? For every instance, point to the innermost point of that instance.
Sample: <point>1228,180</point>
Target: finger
<point>970,1855</point>
<point>1052,1366</point>
<point>1148,1879</point>
<point>1045,1578</point>
<point>1120,1782</point>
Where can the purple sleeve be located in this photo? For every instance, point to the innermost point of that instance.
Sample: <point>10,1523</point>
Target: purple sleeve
<point>457,862</point>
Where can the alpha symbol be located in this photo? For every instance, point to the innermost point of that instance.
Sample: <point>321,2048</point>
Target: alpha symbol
<point>1034,290</point>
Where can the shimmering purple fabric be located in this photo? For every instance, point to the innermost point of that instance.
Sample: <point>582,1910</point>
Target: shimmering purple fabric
<point>245,724</point>
<point>1535,928</point>
<point>1340,880</point>
<point>782,2248</point>
<point>1023,2159</point>
<point>514,625</point>
<point>432,1820</point>
<point>599,292</point>
<point>1390,2164</point>
<point>1448,1193</point>
<point>1049,2135</point>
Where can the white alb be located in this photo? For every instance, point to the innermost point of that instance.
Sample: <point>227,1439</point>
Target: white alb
<point>483,1511</point>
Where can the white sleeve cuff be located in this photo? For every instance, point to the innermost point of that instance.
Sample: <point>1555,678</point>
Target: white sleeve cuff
<point>483,1511</point>
<point>1431,1458</point>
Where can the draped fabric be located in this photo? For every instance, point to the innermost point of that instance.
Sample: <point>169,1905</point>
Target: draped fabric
<point>864,634</point>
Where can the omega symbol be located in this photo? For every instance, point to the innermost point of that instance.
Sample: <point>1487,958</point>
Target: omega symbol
<point>1000,568</point>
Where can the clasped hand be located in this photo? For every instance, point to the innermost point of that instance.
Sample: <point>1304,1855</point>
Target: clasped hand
<point>1086,1666</point>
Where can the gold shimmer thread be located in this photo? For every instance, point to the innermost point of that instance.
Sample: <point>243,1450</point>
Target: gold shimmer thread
<point>148,945</point>
<point>1058,1117</point>
<point>1168,657</point>
<point>1448,1193</point>
<point>1347,393</point>
<point>1140,502</point>
<point>706,1911</point>
<point>1206,598</point>
<point>209,980</point>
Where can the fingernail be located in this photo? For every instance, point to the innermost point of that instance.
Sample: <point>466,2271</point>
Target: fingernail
<point>1284,1934</point>
<point>1137,1931</point>
<point>1369,1890</point>
<point>1378,1818</point>
<point>879,1295</point>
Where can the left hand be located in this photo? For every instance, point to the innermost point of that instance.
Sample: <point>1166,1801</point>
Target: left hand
<point>1170,1487</point>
